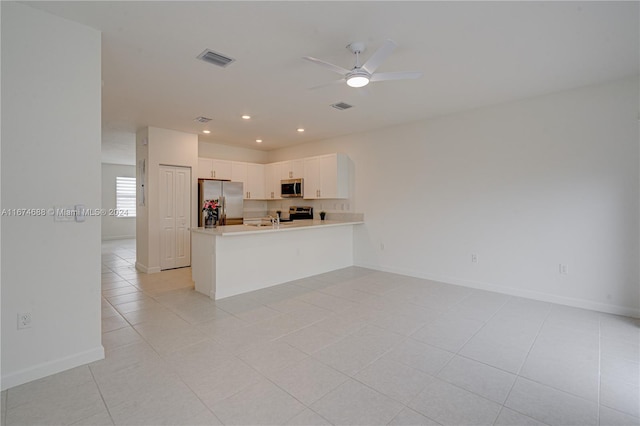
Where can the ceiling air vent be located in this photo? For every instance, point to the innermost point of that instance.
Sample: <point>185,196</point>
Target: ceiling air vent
<point>215,58</point>
<point>341,106</point>
<point>202,119</point>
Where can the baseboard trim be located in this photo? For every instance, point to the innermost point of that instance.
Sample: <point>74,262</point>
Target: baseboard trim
<point>543,297</point>
<point>118,237</point>
<point>51,367</point>
<point>142,268</point>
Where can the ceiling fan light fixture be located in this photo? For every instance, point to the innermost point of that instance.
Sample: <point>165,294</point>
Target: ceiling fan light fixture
<point>357,80</point>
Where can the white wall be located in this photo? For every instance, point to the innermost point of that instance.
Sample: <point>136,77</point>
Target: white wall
<point>114,227</point>
<point>526,186</point>
<point>232,153</point>
<point>50,156</point>
<point>160,147</point>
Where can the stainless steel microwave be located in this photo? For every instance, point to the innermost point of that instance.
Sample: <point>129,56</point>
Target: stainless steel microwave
<point>292,188</point>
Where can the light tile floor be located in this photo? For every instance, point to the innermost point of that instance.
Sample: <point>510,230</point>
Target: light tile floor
<point>353,346</point>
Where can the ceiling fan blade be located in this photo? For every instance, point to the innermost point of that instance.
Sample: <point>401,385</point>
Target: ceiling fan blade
<point>378,57</point>
<point>331,83</point>
<point>327,65</point>
<point>382,76</point>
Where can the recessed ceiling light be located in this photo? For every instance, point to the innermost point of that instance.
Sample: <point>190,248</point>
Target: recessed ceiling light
<point>246,117</point>
<point>206,131</point>
<point>300,130</point>
<point>259,140</point>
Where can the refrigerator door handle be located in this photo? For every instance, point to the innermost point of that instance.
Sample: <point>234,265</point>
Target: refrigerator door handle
<point>223,210</point>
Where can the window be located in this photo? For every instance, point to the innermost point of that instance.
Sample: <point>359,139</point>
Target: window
<point>126,196</point>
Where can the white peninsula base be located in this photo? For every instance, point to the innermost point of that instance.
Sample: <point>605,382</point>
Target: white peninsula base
<point>237,259</point>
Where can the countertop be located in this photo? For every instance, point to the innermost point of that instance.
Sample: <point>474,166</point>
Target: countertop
<point>296,225</point>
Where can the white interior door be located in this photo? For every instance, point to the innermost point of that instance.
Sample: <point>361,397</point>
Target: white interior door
<point>175,208</point>
<point>183,216</point>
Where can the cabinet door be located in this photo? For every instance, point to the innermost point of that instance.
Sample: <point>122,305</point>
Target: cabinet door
<point>334,176</point>
<point>255,181</point>
<point>297,169</point>
<point>205,168</point>
<point>328,177</point>
<point>293,169</point>
<point>285,170</point>
<point>209,168</point>
<point>239,172</point>
<point>312,178</point>
<point>272,175</point>
<point>221,169</point>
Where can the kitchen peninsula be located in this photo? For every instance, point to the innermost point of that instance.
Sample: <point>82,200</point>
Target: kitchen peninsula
<point>236,259</point>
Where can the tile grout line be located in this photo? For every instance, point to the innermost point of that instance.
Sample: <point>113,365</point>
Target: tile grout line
<point>517,374</point>
<point>457,353</point>
<point>106,407</point>
<point>405,338</point>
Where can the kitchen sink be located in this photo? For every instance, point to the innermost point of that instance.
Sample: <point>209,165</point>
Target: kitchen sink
<point>266,223</point>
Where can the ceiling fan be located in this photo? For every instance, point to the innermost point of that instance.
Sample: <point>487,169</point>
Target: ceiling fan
<point>361,75</point>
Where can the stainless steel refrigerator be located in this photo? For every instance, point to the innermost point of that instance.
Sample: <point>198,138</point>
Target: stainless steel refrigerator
<point>229,196</point>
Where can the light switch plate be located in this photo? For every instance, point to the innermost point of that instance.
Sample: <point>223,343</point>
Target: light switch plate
<point>64,214</point>
<point>80,217</point>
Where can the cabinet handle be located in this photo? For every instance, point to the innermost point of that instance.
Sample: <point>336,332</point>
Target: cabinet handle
<point>290,174</point>
<point>214,173</point>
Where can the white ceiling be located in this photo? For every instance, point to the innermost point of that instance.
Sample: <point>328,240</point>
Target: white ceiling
<point>472,54</point>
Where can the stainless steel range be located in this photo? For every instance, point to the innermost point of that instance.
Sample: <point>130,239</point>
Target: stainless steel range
<point>300,212</point>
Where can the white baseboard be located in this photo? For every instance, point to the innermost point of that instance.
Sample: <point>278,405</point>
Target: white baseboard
<point>51,367</point>
<point>543,297</point>
<point>118,237</point>
<point>147,270</point>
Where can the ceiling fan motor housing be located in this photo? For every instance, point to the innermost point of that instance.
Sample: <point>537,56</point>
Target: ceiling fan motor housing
<point>356,47</point>
<point>358,78</point>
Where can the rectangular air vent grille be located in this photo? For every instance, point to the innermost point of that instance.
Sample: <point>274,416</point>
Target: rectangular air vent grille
<point>341,106</point>
<point>202,119</point>
<point>215,58</point>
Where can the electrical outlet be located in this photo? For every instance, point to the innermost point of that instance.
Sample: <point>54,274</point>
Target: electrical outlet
<point>563,269</point>
<point>474,258</point>
<point>24,320</point>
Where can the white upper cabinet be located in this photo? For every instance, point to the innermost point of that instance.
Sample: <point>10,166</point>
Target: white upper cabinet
<point>252,175</point>
<point>239,172</point>
<point>326,176</point>
<point>209,168</point>
<point>312,177</point>
<point>293,169</point>
<point>255,181</point>
<point>272,177</point>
